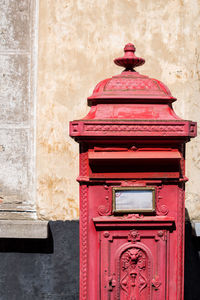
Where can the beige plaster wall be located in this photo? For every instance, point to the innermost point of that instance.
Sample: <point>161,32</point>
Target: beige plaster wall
<point>77,42</point>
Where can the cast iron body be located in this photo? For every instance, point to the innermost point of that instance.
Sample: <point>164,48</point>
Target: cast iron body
<point>131,138</point>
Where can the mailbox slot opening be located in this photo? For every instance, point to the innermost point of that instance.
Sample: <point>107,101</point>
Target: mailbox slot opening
<point>140,164</point>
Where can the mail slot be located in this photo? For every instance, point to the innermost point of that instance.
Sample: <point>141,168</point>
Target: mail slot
<point>135,164</point>
<point>132,188</point>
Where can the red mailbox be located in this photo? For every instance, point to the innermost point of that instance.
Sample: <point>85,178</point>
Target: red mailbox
<point>132,178</point>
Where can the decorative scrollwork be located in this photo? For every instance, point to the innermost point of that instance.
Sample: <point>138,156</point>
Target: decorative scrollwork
<point>156,283</point>
<point>161,209</point>
<point>133,236</point>
<point>133,267</point>
<point>133,216</point>
<point>168,129</point>
<point>105,209</point>
<point>164,209</point>
<point>84,237</point>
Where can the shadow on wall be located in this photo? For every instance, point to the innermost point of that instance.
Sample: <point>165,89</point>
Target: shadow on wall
<point>41,269</point>
<point>192,263</point>
<point>48,269</point>
<point>27,245</point>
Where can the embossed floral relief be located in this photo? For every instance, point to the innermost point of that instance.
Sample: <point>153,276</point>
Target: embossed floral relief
<point>134,279</point>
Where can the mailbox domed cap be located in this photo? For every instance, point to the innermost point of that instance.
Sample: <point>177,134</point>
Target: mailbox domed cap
<point>130,84</point>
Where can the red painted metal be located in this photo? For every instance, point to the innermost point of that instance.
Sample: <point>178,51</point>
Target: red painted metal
<point>134,155</point>
<point>131,138</point>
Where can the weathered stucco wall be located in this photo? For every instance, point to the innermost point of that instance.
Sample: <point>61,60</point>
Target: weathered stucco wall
<point>77,42</point>
<point>17,106</point>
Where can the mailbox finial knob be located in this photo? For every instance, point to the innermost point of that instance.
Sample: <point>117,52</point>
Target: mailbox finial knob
<point>129,60</point>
